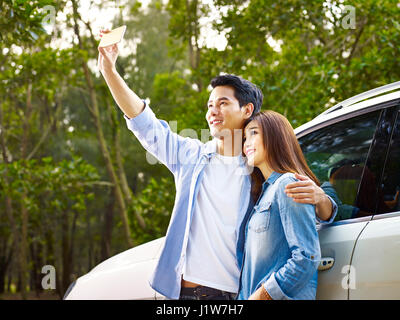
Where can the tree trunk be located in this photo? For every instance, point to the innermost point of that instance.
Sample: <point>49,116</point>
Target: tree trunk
<point>100,136</point>
<point>37,264</point>
<point>65,245</point>
<point>121,172</point>
<point>107,227</point>
<point>8,200</point>
<point>23,252</point>
<point>193,39</point>
<point>5,259</point>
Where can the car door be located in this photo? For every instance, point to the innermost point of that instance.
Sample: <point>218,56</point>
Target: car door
<point>376,259</point>
<point>337,153</point>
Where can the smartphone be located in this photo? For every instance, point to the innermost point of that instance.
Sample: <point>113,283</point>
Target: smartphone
<point>112,37</point>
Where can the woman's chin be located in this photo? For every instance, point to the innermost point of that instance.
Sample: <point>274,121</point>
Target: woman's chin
<point>250,161</point>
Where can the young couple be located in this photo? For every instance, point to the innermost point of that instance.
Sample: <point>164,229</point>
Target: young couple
<point>243,224</point>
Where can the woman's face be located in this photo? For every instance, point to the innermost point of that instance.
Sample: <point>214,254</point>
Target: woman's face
<point>253,146</point>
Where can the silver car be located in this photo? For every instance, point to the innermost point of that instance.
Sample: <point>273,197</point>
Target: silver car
<point>354,150</point>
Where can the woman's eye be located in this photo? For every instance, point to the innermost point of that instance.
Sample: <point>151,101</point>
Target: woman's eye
<point>253,132</point>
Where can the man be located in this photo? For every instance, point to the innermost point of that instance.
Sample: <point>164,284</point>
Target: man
<point>212,185</point>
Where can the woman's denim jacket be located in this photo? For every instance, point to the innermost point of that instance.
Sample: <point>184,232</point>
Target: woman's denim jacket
<point>278,245</point>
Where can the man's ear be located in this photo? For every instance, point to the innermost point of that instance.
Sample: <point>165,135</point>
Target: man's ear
<point>248,110</point>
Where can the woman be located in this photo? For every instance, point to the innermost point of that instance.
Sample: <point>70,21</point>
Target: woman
<point>280,253</point>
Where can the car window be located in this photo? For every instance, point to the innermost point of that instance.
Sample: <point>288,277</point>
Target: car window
<point>391,176</point>
<point>337,155</point>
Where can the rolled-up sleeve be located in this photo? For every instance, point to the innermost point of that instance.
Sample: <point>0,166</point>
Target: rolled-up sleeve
<point>274,290</point>
<point>334,213</point>
<point>298,222</point>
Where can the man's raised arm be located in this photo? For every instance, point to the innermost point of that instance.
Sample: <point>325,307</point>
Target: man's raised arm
<point>154,135</point>
<point>130,104</point>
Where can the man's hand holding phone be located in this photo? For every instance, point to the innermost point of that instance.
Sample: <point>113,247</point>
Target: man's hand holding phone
<point>130,103</point>
<point>108,49</point>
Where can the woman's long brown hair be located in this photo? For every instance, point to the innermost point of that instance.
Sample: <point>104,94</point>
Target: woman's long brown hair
<point>283,152</point>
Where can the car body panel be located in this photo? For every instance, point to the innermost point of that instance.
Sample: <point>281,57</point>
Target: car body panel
<point>337,241</point>
<point>124,276</point>
<point>376,259</point>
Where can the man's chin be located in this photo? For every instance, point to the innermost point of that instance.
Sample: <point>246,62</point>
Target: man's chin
<point>220,133</point>
<point>215,133</point>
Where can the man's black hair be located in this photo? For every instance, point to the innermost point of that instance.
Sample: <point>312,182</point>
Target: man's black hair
<point>245,91</point>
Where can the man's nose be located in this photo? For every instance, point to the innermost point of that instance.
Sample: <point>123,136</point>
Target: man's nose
<point>214,110</point>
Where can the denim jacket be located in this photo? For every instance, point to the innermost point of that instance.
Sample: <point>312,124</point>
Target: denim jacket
<point>280,245</point>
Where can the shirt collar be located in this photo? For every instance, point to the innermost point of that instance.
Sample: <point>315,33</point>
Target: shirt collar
<point>210,148</point>
<point>271,179</point>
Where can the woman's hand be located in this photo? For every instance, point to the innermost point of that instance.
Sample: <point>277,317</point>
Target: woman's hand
<point>306,191</point>
<point>260,294</point>
<point>107,56</point>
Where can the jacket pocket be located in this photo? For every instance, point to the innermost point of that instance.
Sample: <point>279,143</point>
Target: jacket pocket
<point>259,221</point>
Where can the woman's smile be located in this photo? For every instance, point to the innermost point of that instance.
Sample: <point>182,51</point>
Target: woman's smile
<point>249,151</point>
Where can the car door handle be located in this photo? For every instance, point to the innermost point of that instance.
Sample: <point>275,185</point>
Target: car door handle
<point>326,263</point>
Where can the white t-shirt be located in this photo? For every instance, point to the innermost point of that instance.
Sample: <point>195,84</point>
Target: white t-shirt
<point>211,249</point>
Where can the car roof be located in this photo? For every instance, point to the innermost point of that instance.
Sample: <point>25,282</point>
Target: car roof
<point>354,104</point>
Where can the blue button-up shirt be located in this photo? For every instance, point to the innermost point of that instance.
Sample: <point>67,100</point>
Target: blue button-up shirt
<point>186,158</point>
<point>280,245</point>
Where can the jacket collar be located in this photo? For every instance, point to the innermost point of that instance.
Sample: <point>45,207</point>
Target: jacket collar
<point>271,179</point>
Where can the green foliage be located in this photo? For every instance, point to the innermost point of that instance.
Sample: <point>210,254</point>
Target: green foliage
<point>49,191</point>
<point>154,203</point>
<point>21,21</point>
<point>52,187</point>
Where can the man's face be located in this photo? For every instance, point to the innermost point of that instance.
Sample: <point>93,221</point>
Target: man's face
<point>224,114</point>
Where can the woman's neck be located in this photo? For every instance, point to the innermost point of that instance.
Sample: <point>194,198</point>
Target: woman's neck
<point>265,169</point>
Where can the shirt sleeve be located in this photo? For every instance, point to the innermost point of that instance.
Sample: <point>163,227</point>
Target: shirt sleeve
<point>331,194</point>
<point>159,140</point>
<point>298,222</point>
